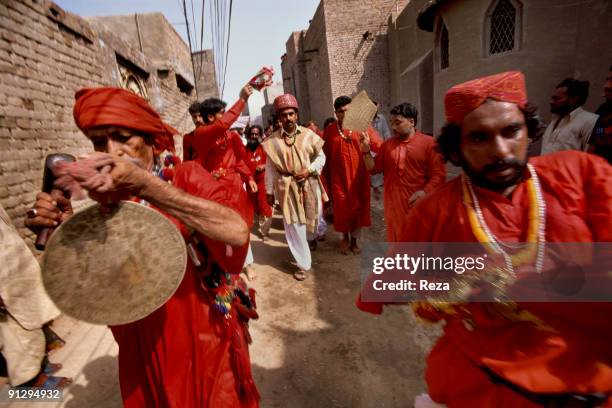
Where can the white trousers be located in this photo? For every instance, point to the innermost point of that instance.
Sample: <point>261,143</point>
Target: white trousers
<point>22,349</point>
<point>322,225</point>
<point>249,258</point>
<point>297,239</point>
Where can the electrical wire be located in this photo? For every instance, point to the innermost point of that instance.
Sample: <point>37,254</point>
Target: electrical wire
<point>229,30</point>
<point>190,47</point>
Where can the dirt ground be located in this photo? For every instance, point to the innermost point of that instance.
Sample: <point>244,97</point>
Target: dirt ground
<point>311,346</point>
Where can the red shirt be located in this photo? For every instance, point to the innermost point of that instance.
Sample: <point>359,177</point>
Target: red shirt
<point>347,177</point>
<point>408,166</point>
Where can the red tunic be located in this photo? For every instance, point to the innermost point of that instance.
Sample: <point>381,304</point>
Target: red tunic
<point>189,152</point>
<point>186,354</point>
<point>408,166</point>
<point>348,178</point>
<point>259,200</point>
<point>222,153</point>
<point>575,357</point>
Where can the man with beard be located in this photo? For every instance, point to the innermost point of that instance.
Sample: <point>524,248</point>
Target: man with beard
<point>513,354</point>
<point>348,179</point>
<point>295,160</point>
<point>600,142</point>
<point>256,159</point>
<point>570,126</point>
<point>190,352</point>
<point>189,152</point>
<point>410,164</point>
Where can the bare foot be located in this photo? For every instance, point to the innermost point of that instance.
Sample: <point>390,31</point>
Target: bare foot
<point>354,247</point>
<point>344,247</point>
<point>249,272</point>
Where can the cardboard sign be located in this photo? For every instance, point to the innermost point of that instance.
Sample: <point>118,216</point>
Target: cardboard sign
<point>360,113</point>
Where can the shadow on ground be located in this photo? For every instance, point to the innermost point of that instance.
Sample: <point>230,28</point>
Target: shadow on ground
<point>101,389</point>
<point>312,346</point>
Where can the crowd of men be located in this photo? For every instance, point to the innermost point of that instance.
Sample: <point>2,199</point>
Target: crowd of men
<point>525,355</point>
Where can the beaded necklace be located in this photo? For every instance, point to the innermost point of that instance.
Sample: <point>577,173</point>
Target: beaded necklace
<point>347,138</point>
<point>535,231</point>
<point>290,136</point>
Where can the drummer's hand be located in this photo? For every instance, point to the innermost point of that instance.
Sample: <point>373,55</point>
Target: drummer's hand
<point>48,211</point>
<point>128,179</point>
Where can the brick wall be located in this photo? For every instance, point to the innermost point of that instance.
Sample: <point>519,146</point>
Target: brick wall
<point>410,64</point>
<point>206,82</point>
<point>46,55</point>
<point>332,58</point>
<point>357,63</point>
<point>559,39</point>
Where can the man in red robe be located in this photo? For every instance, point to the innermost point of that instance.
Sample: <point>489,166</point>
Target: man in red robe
<point>411,166</point>
<point>222,153</point>
<point>347,178</point>
<point>256,159</point>
<point>189,352</point>
<point>189,152</point>
<point>523,354</point>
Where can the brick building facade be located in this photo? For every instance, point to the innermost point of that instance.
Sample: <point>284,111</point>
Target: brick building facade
<point>46,54</point>
<point>344,50</point>
<point>206,77</point>
<point>548,40</point>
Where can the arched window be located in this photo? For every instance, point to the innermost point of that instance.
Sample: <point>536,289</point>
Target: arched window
<point>503,25</point>
<point>444,46</point>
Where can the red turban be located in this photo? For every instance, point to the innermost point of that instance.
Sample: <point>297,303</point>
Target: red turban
<point>285,101</point>
<point>463,98</point>
<point>118,107</point>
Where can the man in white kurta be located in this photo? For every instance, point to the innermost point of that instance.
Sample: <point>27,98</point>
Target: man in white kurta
<point>570,126</point>
<point>294,162</point>
<point>28,307</point>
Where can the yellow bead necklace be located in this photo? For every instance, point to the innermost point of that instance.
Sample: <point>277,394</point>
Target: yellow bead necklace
<point>536,240</point>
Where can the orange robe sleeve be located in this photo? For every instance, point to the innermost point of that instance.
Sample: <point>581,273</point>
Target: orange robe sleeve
<point>205,135</point>
<point>436,170</point>
<point>598,189</point>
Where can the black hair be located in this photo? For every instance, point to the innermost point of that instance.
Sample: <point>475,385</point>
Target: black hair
<point>407,110</point>
<point>341,101</point>
<point>328,121</point>
<point>261,132</point>
<point>449,139</point>
<point>211,106</point>
<point>576,88</point>
<point>194,107</point>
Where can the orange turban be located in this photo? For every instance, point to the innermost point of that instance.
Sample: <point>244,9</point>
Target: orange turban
<point>463,98</point>
<point>285,101</point>
<point>118,107</point>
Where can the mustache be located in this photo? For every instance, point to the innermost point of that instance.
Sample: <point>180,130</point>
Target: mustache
<point>502,165</point>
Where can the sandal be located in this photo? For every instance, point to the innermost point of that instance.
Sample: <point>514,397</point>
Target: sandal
<point>48,381</point>
<point>51,368</point>
<point>300,275</point>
